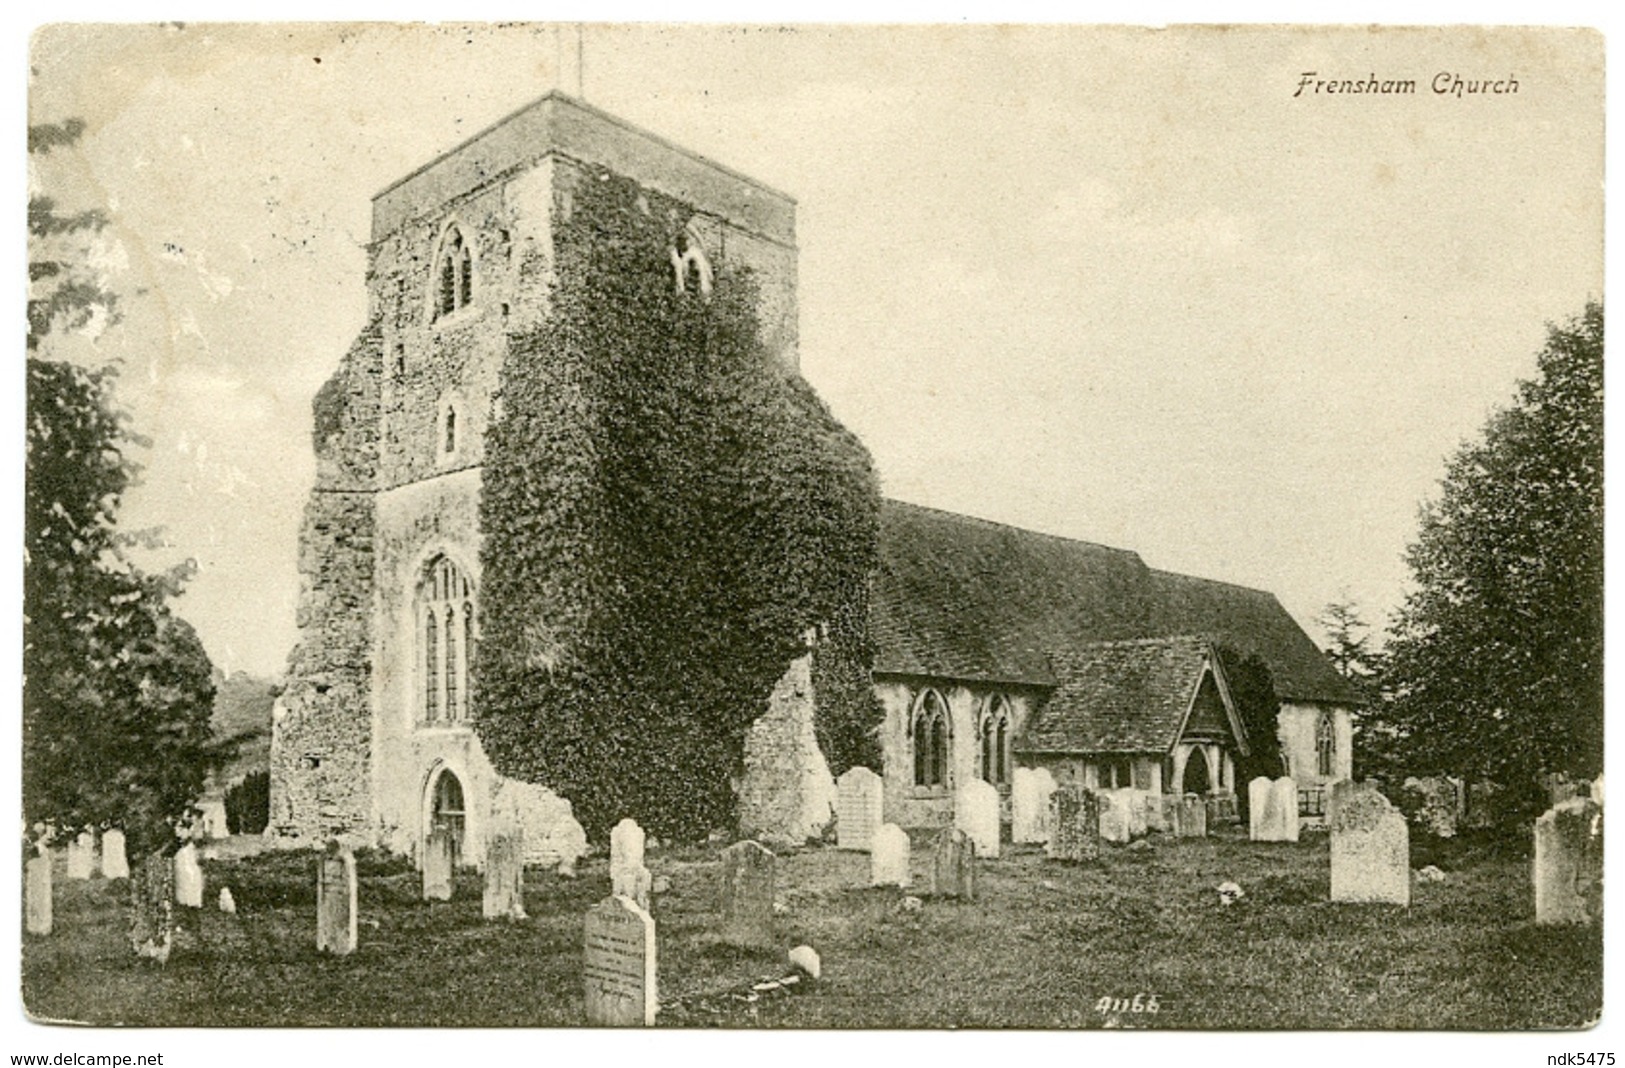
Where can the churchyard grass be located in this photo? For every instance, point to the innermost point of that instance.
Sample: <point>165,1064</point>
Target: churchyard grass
<point>1041,946</point>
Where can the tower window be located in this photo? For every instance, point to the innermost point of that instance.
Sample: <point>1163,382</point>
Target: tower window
<point>454,278</point>
<point>446,614</point>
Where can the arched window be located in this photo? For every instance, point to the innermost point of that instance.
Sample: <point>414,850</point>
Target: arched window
<point>454,282</point>
<point>446,621</point>
<point>451,430</point>
<point>929,729</point>
<point>448,814</point>
<point>994,731</point>
<point>690,265</point>
<point>1326,746</point>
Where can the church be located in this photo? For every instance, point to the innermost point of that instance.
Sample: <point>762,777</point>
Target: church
<point>996,647</point>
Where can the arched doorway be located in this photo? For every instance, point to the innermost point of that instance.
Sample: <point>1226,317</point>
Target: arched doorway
<point>1197,781</point>
<point>446,811</point>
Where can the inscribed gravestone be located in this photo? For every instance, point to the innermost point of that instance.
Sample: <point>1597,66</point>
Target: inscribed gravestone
<point>626,841</point>
<point>152,907</point>
<point>188,877</point>
<point>976,812</point>
<point>1192,817</point>
<point>504,875</point>
<point>859,802</point>
<point>618,966</point>
<point>115,864</point>
<point>38,890</point>
<point>1074,824</point>
<point>1258,799</point>
<point>634,883</point>
<point>888,857</point>
<point>82,856</point>
<point>749,881</point>
<point>336,902</point>
<point>1371,847</point>
<point>953,865</point>
<point>1030,790</point>
<point>437,864</point>
<point>1568,863</point>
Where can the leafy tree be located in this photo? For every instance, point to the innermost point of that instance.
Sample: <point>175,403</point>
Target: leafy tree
<point>116,688</point>
<point>248,804</point>
<point>1252,688</point>
<point>1495,658</point>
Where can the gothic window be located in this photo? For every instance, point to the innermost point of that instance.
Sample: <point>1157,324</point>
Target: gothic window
<point>994,731</point>
<point>446,621</point>
<point>454,280</point>
<point>448,813</point>
<point>690,265</point>
<point>450,430</point>
<point>1326,746</point>
<point>929,729</point>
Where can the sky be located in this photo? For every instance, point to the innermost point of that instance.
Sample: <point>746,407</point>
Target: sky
<point>1122,285</point>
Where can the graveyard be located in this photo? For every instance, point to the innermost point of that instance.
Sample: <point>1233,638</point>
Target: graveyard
<point>1043,943</point>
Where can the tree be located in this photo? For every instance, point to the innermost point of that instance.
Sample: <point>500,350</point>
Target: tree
<point>1252,688</point>
<point>116,688</point>
<point>1495,658</point>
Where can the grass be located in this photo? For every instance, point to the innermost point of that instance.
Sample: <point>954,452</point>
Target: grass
<point>1040,947</point>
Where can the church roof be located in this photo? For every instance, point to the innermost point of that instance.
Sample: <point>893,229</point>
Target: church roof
<point>964,598</point>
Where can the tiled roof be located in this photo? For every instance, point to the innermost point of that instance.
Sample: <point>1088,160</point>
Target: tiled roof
<point>1128,696</point>
<point>963,598</point>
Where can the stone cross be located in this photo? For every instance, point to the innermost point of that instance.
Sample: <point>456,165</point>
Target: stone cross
<point>619,966</point>
<point>859,802</point>
<point>1030,790</point>
<point>1192,817</point>
<point>504,875</point>
<point>336,901</point>
<point>626,841</point>
<point>1568,863</point>
<point>188,877</point>
<point>888,857</point>
<point>953,865</point>
<point>976,812</point>
<point>749,882</point>
<point>437,865</point>
<point>1371,847</point>
<point>37,888</point>
<point>1074,824</point>
<point>633,883</point>
<point>115,864</point>
<point>82,855</point>
<point>152,907</point>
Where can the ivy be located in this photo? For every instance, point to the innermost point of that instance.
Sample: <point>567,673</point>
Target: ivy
<point>668,515</point>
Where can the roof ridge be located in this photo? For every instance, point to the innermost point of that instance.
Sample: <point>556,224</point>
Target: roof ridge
<point>1161,639</point>
<point>1211,581</point>
<point>998,524</point>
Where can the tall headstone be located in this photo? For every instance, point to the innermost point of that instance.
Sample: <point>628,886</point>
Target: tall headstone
<point>888,857</point>
<point>152,907</point>
<point>749,882</point>
<point>1283,809</point>
<point>1568,863</point>
<point>1074,824</point>
<point>1115,823</point>
<point>188,877</point>
<point>115,863</point>
<point>626,841</point>
<point>37,889</point>
<point>953,865</point>
<point>82,855</point>
<point>1192,817</point>
<point>1371,847</point>
<point>619,965</point>
<point>1030,790</point>
<point>976,812</point>
<point>504,875</point>
<point>859,803</point>
<point>1258,800</point>
<point>438,850</point>
<point>1134,805</point>
<point>336,901</point>
<point>635,883</point>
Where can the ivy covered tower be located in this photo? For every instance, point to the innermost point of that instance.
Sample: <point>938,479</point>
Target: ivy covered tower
<point>373,737</point>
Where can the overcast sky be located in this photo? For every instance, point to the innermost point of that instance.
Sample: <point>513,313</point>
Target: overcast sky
<point>1120,285</point>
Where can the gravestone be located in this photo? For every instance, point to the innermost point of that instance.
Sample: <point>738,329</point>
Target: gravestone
<point>336,901</point>
<point>1134,805</point>
<point>82,856</point>
<point>438,850</point>
<point>1115,824</point>
<point>227,903</point>
<point>634,883</point>
<point>37,885</point>
<point>188,877</point>
<point>859,802</point>
<point>115,864</point>
<point>618,967</point>
<point>749,882</point>
<point>1030,790</point>
<point>504,875</point>
<point>152,907</point>
<point>888,857</point>
<point>1074,824</point>
<point>953,865</point>
<point>1371,846</point>
<point>1436,801</point>
<point>1568,863</point>
<point>1258,799</point>
<point>626,841</point>
<point>1283,809</point>
<point>1156,816</point>
<point>1192,817</point>
<point>976,812</point>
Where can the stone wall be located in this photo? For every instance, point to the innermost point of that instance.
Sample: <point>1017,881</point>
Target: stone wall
<point>1296,729</point>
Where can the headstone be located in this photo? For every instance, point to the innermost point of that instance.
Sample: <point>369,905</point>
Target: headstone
<point>1192,817</point>
<point>336,901</point>
<point>1156,816</point>
<point>228,904</point>
<point>859,802</point>
<point>82,856</point>
<point>749,882</point>
<point>152,907</point>
<point>626,840</point>
<point>888,857</point>
<point>1134,805</point>
<point>953,865</point>
<point>438,849</point>
<point>634,884</point>
<point>188,877</point>
<point>1030,790</point>
<point>115,864</point>
<point>1278,819</point>
<point>1258,799</point>
<point>1568,863</point>
<point>618,965</point>
<point>504,875</point>
<point>1074,824</point>
<point>976,812</point>
<point>38,891</point>
<point>1437,804</point>
<point>1371,846</point>
<point>1115,823</point>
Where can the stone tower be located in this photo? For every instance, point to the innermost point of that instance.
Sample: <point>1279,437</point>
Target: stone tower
<point>373,737</point>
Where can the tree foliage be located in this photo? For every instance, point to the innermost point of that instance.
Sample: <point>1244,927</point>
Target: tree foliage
<point>1495,658</point>
<point>1252,688</point>
<point>669,517</point>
